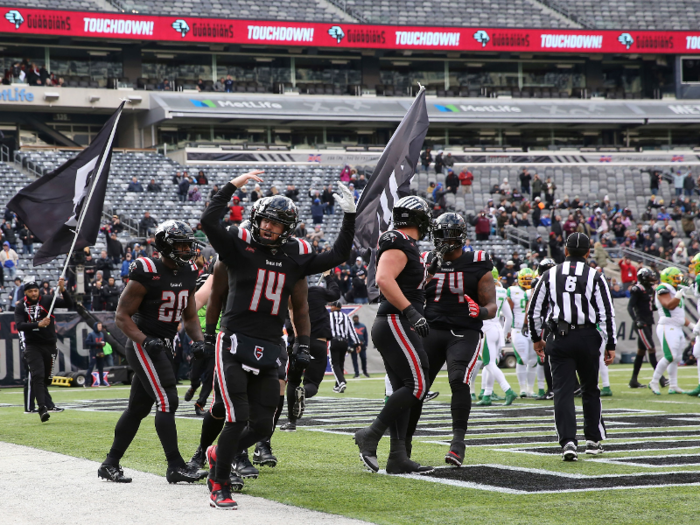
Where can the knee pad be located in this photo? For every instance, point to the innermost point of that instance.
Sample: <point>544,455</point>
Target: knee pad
<point>311,390</point>
<point>456,377</point>
<point>173,402</point>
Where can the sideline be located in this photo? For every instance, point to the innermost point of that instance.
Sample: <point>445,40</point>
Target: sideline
<point>46,487</point>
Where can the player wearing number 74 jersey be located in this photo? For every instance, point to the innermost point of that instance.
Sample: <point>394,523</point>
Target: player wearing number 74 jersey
<point>159,295</point>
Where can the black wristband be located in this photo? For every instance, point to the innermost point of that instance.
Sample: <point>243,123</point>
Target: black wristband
<point>304,340</point>
<point>483,313</point>
<point>210,329</point>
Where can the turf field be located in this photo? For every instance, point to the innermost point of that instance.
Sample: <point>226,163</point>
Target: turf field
<point>513,471</point>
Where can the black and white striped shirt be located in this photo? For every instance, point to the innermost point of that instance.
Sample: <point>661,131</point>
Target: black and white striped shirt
<point>576,294</point>
<point>342,328</point>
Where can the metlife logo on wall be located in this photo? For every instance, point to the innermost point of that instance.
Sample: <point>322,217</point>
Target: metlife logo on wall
<point>133,26</point>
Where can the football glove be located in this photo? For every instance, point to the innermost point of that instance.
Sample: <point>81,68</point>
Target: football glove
<point>209,344</point>
<point>301,353</point>
<point>153,346</point>
<point>641,324</point>
<point>436,263</point>
<point>418,322</point>
<point>474,309</point>
<point>682,290</point>
<point>198,349</point>
<point>345,199</point>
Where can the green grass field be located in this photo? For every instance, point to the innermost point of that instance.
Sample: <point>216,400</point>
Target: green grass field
<point>321,471</point>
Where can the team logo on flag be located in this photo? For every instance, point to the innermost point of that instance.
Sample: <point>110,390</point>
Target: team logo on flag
<point>258,352</point>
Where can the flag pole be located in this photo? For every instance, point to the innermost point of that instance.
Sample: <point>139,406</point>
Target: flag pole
<point>86,205</point>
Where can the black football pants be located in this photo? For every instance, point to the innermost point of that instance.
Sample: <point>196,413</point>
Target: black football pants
<point>29,387</point>
<point>338,350</point>
<point>406,364</point>
<point>313,375</point>
<point>202,373</point>
<point>40,359</point>
<point>577,352</point>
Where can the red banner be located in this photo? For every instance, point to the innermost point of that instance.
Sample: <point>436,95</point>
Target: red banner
<point>342,35</point>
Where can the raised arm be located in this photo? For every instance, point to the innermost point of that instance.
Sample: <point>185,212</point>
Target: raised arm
<point>340,251</point>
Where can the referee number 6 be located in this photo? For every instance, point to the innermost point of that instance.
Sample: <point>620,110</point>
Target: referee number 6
<point>570,284</point>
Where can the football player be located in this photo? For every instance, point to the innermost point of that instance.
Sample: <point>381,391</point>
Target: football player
<point>670,301</point>
<point>543,369</point>
<point>455,319</point>
<point>264,266</point>
<point>695,270</point>
<point>525,368</point>
<point>158,296</point>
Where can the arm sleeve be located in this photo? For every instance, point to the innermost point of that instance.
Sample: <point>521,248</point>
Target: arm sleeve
<point>65,300</point>
<point>338,254</point>
<point>219,238</point>
<point>534,311</point>
<point>507,315</point>
<point>352,334</point>
<point>606,312</point>
<point>332,293</point>
<point>21,319</point>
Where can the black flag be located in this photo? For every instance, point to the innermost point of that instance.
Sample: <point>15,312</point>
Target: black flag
<point>390,181</point>
<point>51,206</point>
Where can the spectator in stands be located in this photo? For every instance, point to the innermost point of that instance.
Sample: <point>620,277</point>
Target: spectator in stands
<point>345,174</point>
<point>153,186</point>
<point>184,188</point>
<point>555,247</point>
<point>164,85</point>
<point>361,182</point>
<point>537,186</point>
<point>273,191</point>
<point>569,226</point>
<point>110,295</point>
<point>177,178</point>
<point>292,192</point>
<point>654,181</point>
<point>220,85</point>
<point>28,239</point>
<point>466,178</point>
<point>451,181</point>
<point>663,215</point>
<point>115,250</point>
<point>616,291</point>
<point>256,193</point>
<point>135,186</point>
<point>96,296</point>
<point>359,289</point>
<point>618,230</point>
<point>537,212</point>
<point>33,76</point>
<point>202,178</point>
<point>147,224</point>
<point>16,294</point>
<point>601,255</point>
<point>300,232</point>
<point>467,246</point>
<point>539,247</point>
<point>89,265</point>
<point>525,179</point>
<point>194,194</point>
<point>687,222</point>
<point>46,289</point>
<point>8,260</point>
<point>138,251</point>
<point>694,248</point>
<point>355,193</point>
<point>8,232</point>
<point>316,246</point>
<point>328,200</point>
<point>125,267</point>
<point>215,190</point>
<point>7,78</point>
<point>228,84</point>
<point>235,215</point>
<point>550,188</point>
<point>426,158</point>
<point>688,184</point>
<point>504,188</point>
<point>628,272</point>
<point>199,233</point>
<point>44,77</point>
<point>448,160</point>
<point>104,265</point>
<point>508,273</point>
<point>199,85</point>
<point>439,163</point>
<point>482,226</point>
<point>317,212</point>
<point>678,179</point>
<point>679,257</point>
<point>316,235</point>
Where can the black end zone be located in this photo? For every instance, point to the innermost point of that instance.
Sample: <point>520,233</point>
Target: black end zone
<point>623,447</point>
<point>660,461</point>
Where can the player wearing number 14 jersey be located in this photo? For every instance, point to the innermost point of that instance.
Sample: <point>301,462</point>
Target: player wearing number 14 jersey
<point>159,295</point>
<point>459,296</point>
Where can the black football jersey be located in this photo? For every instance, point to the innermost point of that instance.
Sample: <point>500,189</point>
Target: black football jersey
<point>319,297</point>
<point>168,292</point>
<point>445,305</point>
<point>641,304</point>
<point>410,280</point>
<point>260,281</point>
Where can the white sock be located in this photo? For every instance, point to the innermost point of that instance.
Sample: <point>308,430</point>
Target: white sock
<point>696,354</point>
<point>475,372</point>
<point>486,380</point>
<point>521,373</point>
<point>531,376</point>
<point>673,375</point>
<point>495,374</point>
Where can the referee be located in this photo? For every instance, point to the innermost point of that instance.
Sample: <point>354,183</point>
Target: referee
<point>578,299</point>
<point>343,332</point>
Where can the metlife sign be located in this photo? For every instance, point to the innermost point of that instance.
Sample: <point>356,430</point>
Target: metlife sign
<point>16,95</point>
<point>133,26</point>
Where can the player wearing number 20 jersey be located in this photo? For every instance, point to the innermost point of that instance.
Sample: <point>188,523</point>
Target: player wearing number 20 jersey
<point>452,314</point>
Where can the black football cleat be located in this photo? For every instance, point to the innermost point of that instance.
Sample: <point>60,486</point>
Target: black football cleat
<point>243,467</point>
<point>663,382</point>
<point>400,463</point>
<point>263,455</point>
<point>289,426</point>
<point>299,402</point>
<point>199,410</point>
<point>430,396</point>
<point>44,414</point>
<point>186,474</point>
<point>112,473</point>
<point>367,442</point>
<point>190,394</point>
<point>220,497</point>
<point>198,459</point>
<point>456,454</point>
<point>56,409</point>
<point>636,384</point>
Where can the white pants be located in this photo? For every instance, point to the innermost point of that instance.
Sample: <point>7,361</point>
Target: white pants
<point>696,354</point>
<point>673,343</point>
<point>491,346</point>
<point>604,372</point>
<point>525,369</point>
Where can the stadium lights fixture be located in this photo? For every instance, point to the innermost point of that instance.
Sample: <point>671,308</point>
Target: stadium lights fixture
<point>94,98</point>
<point>98,53</point>
<point>51,96</point>
<point>135,99</point>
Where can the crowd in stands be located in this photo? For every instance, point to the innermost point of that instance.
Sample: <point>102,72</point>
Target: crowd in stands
<point>26,72</point>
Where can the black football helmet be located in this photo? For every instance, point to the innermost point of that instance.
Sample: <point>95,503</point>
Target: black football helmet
<point>171,232</point>
<point>412,211</point>
<point>646,277</point>
<point>278,209</point>
<point>449,231</point>
<point>545,264</point>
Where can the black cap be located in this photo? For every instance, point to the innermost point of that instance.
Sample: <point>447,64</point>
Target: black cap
<point>578,241</point>
<point>336,304</point>
<point>31,284</point>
